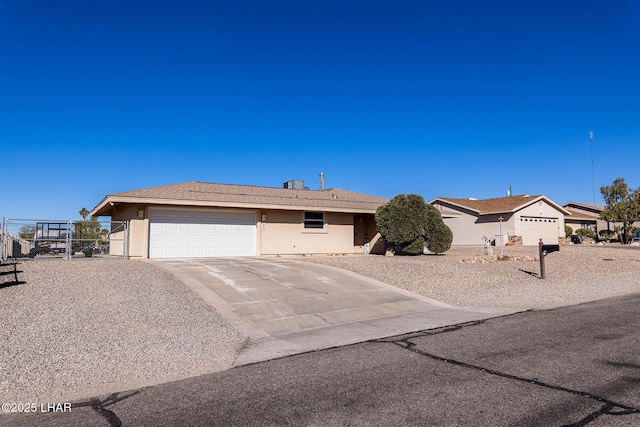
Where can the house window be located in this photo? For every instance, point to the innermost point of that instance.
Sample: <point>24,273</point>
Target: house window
<point>314,220</point>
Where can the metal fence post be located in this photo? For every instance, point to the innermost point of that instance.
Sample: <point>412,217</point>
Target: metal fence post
<point>68,250</point>
<point>3,240</point>
<point>126,240</point>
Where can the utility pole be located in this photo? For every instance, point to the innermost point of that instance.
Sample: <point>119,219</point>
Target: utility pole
<point>593,176</point>
<point>322,181</point>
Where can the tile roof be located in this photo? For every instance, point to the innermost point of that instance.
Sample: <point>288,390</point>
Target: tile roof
<point>209,194</point>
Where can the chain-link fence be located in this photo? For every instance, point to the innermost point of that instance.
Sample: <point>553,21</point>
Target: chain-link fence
<point>26,238</point>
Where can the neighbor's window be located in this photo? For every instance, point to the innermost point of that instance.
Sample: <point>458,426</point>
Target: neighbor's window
<point>314,220</point>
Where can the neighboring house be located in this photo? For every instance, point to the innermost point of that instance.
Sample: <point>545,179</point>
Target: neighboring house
<point>197,219</point>
<point>523,219</point>
<point>585,215</point>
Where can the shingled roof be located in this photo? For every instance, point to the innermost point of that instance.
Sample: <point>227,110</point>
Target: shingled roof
<point>244,196</point>
<point>580,215</point>
<point>497,205</point>
<point>584,211</point>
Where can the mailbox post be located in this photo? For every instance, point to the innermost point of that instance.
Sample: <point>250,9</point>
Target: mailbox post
<point>544,250</point>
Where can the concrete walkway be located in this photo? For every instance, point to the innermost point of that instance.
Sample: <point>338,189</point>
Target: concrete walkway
<point>288,307</point>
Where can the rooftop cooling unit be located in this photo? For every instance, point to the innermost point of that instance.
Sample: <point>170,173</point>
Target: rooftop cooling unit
<point>296,184</point>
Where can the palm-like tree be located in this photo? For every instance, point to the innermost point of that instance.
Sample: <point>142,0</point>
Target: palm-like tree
<point>84,213</point>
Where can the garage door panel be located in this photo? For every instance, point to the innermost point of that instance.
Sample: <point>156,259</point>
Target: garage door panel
<point>201,233</point>
<point>533,229</point>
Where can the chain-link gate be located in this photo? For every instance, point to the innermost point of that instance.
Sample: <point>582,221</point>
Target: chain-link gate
<point>25,238</point>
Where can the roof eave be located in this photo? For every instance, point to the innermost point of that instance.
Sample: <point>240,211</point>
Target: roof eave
<point>99,209</point>
<point>440,199</point>
<point>111,200</point>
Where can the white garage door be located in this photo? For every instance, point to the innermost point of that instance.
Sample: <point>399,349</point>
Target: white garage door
<point>534,229</point>
<point>191,233</point>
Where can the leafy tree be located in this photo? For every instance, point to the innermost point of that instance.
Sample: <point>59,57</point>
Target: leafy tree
<point>407,224</point>
<point>89,229</point>
<point>27,232</point>
<point>623,206</point>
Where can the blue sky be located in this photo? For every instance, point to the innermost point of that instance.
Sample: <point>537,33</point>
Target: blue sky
<point>439,98</point>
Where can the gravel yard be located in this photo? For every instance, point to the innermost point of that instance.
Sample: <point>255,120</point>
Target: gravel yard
<point>88,326</point>
<point>465,277</point>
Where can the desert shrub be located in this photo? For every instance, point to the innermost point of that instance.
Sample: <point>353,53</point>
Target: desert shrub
<point>434,219</point>
<point>414,248</point>
<point>568,231</point>
<point>440,238</point>
<point>406,223</point>
<point>401,220</point>
<point>607,234</point>
<point>583,233</point>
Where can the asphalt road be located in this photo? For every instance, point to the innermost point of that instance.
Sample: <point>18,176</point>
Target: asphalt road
<point>572,366</point>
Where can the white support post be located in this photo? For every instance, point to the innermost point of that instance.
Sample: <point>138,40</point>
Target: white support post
<point>68,250</point>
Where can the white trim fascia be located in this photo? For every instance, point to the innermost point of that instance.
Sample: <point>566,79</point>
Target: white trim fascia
<point>455,204</point>
<point>237,205</point>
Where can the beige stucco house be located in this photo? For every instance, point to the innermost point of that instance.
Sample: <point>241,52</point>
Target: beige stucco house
<point>197,219</point>
<point>585,215</point>
<point>523,220</point>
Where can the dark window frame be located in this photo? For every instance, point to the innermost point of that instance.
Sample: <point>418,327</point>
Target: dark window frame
<point>313,220</point>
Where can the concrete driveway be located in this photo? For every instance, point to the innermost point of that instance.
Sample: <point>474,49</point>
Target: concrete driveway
<point>288,307</point>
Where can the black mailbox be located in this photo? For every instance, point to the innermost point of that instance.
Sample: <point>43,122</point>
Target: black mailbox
<point>544,250</point>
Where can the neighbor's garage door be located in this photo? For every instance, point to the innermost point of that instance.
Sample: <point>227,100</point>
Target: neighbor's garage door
<point>194,233</point>
<point>534,229</point>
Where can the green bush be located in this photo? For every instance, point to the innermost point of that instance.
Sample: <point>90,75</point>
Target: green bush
<point>440,238</point>
<point>414,248</point>
<point>402,220</point>
<point>568,231</point>
<point>607,234</point>
<point>406,223</point>
<point>583,233</point>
